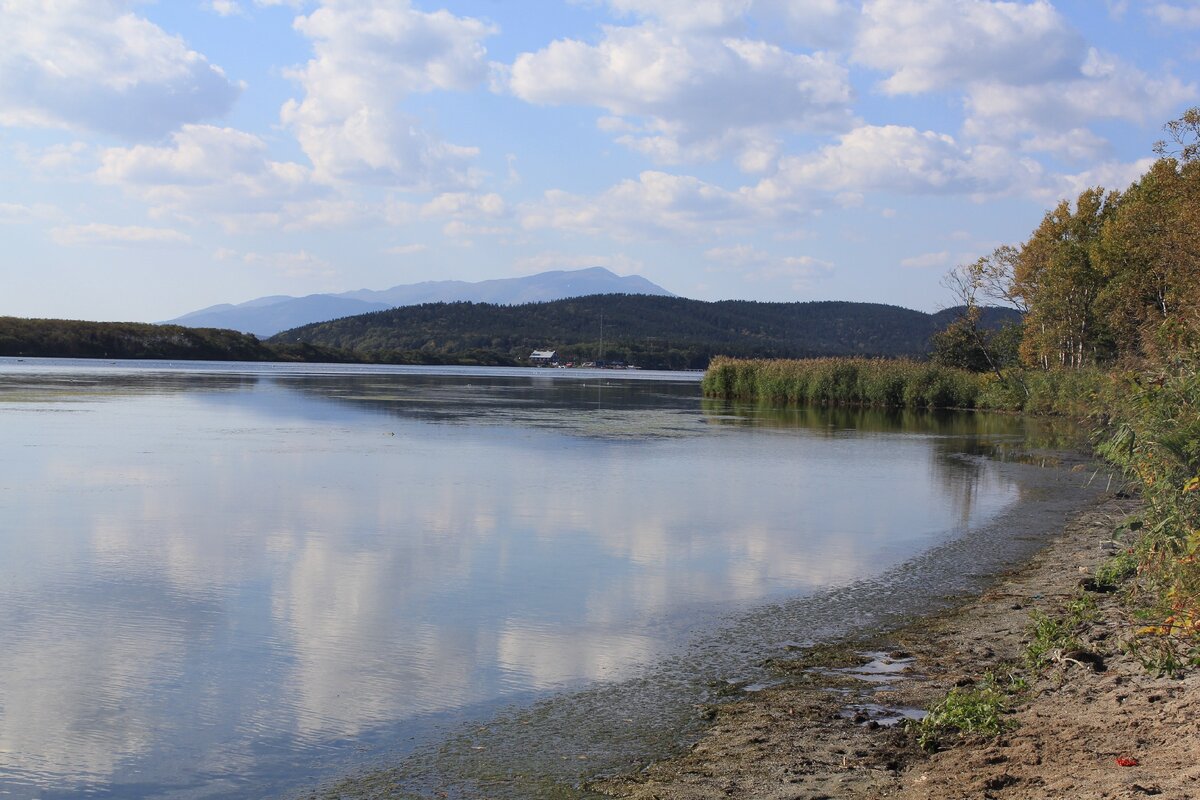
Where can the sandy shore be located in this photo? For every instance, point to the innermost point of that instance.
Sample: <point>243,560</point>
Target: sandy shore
<point>827,732</point>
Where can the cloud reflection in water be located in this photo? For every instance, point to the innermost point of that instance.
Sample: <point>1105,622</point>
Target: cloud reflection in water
<point>203,572</point>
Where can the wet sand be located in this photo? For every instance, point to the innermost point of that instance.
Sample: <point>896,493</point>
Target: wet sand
<point>828,732</point>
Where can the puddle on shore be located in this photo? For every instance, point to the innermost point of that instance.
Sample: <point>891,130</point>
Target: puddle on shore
<point>881,715</point>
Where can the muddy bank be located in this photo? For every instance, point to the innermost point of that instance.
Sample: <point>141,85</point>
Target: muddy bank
<point>835,729</point>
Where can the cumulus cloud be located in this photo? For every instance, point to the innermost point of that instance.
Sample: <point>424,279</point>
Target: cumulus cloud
<point>464,205</point>
<point>288,264</point>
<point>224,8</point>
<point>94,65</point>
<point>225,174</point>
<point>904,160</point>
<point>935,44</point>
<point>682,96</point>
<point>20,213</point>
<point>1030,80</point>
<point>814,23</point>
<point>684,14</point>
<point>369,56</point>
<point>810,22</point>
<point>1175,15</point>
<point>1110,175</point>
<point>406,249</point>
<point>468,214</point>
<point>102,234</point>
<point>941,258</point>
<point>1051,117</point>
<point>655,205</point>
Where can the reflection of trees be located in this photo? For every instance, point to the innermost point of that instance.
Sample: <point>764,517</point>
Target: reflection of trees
<point>961,441</point>
<point>596,406</point>
<point>77,384</point>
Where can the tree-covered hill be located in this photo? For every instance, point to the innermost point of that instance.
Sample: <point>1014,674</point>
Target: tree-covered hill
<point>66,338</point>
<point>652,332</point>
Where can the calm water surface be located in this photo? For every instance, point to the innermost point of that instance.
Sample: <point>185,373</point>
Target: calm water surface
<point>232,580</point>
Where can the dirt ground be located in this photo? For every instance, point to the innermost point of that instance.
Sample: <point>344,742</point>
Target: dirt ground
<point>834,729</point>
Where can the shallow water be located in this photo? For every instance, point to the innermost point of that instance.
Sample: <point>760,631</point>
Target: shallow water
<point>239,580</point>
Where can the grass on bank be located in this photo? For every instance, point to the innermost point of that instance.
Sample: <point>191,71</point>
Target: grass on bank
<point>979,709</point>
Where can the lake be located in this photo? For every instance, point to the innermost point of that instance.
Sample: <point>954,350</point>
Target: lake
<point>225,580</point>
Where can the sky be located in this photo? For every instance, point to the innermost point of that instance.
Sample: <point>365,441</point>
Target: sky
<point>160,157</point>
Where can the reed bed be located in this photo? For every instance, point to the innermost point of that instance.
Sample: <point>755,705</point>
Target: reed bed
<point>883,383</point>
<point>842,381</point>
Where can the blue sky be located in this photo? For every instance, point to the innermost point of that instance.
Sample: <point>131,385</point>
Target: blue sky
<point>156,158</point>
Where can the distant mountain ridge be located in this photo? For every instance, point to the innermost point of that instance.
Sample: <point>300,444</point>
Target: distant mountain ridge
<point>266,316</point>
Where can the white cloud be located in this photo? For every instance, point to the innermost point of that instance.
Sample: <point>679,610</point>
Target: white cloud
<point>828,24</point>
<point>289,264</point>
<point>406,249</point>
<point>468,214</point>
<point>811,22</point>
<point>98,233</point>
<point>1110,175</point>
<point>937,44</point>
<point>904,160</point>
<point>225,8</point>
<point>654,205</point>
<point>462,205</point>
<point>19,213</point>
<point>54,158</point>
<point>1175,15</point>
<point>758,266</point>
<point>1052,115</point>
<point>927,260</point>
<point>687,96</point>
<point>224,174</point>
<point>94,65</point>
<point>684,14</point>
<point>369,56</point>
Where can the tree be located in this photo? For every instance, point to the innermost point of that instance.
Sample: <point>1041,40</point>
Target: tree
<point>1149,251</point>
<point>1055,276</point>
<point>965,343</point>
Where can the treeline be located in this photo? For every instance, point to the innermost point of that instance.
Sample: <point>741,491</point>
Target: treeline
<point>64,338</point>
<point>1112,279</point>
<point>652,332</point>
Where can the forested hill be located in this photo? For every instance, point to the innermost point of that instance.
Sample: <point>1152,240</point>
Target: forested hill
<point>68,338</point>
<point>652,332</point>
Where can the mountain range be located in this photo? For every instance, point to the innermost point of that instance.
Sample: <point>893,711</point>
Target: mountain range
<point>266,316</point>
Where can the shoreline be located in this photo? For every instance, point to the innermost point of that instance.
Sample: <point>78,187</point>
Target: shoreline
<point>830,730</point>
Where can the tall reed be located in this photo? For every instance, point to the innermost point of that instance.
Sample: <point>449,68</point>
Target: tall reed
<point>902,384</point>
<point>843,381</point>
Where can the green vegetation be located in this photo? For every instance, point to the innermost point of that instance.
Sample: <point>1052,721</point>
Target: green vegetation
<point>651,332</point>
<point>1049,638</point>
<point>976,710</point>
<point>74,339</point>
<point>60,338</point>
<point>901,384</point>
<point>1154,435</point>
